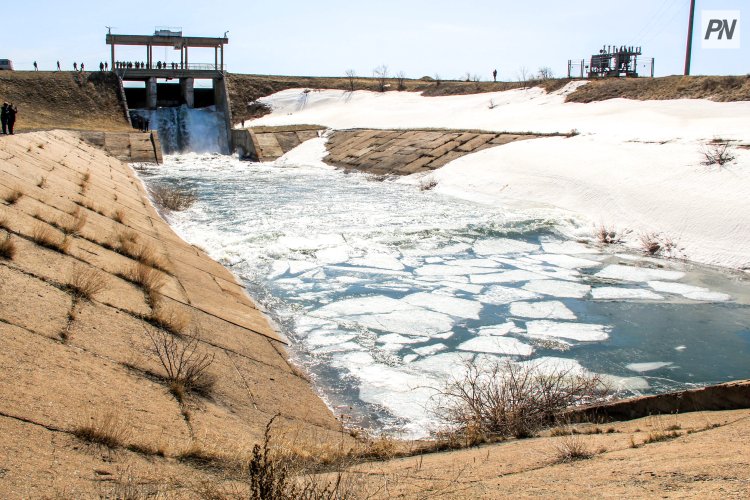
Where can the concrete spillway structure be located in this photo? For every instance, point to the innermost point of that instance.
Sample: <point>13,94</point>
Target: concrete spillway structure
<point>156,94</point>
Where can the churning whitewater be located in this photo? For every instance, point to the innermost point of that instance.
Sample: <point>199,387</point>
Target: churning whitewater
<point>385,291</point>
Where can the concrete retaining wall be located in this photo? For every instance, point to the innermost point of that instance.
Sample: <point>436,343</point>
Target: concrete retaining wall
<point>405,152</point>
<point>128,146</point>
<point>269,143</point>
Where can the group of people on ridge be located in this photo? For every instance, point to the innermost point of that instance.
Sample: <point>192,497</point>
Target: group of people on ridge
<point>8,117</point>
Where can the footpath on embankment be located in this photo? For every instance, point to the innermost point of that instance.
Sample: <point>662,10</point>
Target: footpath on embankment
<point>100,304</point>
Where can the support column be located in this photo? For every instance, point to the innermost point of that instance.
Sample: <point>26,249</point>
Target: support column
<point>188,92</point>
<point>113,57</point>
<point>151,98</point>
<point>187,61</point>
<point>216,57</point>
<point>222,57</point>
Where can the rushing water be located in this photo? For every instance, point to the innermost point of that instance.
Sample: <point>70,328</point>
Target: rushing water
<point>183,129</point>
<point>385,291</point>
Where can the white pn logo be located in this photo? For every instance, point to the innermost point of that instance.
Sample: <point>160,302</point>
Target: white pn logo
<point>721,29</point>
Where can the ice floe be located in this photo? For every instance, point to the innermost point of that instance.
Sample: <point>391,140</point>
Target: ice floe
<point>497,345</point>
<point>452,270</point>
<point>499,330</point>
<point>566,261</point>
<point>616,293</point>
<point>567,247</point>
<point>558,288</point>
<point>513,276</point>
<point>582,332</point>
<point>647,367</point>
<point>500,246</point>
<point>631,273</point>
<point>689,291</point>
<point>551,309</point>
<point>499,295</point>
<point>452,306</point>
<point>380,261</point>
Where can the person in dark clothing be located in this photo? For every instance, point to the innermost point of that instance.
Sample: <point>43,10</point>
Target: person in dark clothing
<point>494,75</point>
<point>58,65</point>
<point>101,66</point>
<point>11,118</point>
<point>75,66</point>
<point>106,66</point>
<point>36,67</point>
<point>81,67</point>
<point>4,117</point>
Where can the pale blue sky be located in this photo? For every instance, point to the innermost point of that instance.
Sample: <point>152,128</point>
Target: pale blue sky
<point>418,37</point>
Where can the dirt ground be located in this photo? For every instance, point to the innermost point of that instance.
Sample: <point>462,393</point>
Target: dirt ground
<point>64,100</point>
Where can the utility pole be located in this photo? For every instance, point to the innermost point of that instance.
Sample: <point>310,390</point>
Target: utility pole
<point>689,50</point>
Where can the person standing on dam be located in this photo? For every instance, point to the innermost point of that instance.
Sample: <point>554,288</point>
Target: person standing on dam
<point>11,118</point>
<point>4,117</point>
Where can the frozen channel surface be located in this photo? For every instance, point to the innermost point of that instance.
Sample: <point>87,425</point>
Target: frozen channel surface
<point>385,292</point>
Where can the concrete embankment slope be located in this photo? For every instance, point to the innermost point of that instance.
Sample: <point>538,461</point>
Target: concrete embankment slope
<point>68,362</point>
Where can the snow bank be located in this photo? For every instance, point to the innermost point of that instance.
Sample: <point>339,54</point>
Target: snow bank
<point>636,164</point>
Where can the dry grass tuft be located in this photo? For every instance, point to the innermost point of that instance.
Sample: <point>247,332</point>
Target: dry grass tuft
<point>48,237</point>
<point>173,197</point>
<point>570,448</point>
<point>104,429</point>
<point>86,282</point>
<point>146,277</point>
<point>169,318</point>
<point>42,183</point>
<point>75,223</point>
<point>119,215</point>
<point>185,363</point>
<point>127,244</point>
<point>13,196</point>
<point>7,247</point>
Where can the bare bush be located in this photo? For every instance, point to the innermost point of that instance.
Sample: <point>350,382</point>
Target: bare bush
<point>352,76</point>
<point>717,153</point>
<point>523,76</point>
<point>544,73</point>
<point>104,429</point>
<point>185,364</point>
<point>7,247</point>
<point>173,198</point>
<point>42,183</point>
<point>271,477</point>
<point>128,244</point>
<point>607,236</point>
<point>401,79</point>
<point>381,75</point>
<point>46,236</point>
<point>13,196</point>
<point>503,399</point>
<point>437,79</point>
<point>86,282</point>
<point>660,244</point>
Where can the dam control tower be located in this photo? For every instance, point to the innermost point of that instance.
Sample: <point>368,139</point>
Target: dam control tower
<point>151,82</point>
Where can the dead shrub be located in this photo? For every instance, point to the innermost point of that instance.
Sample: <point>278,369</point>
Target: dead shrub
<point>185,364</point>
<point>7,247</point>
<point>13,196</point>
<point>86,282</point>
<point>572,447</point>
<point>650,243</point>
<point>46,236</point>
<point>103,429</point>
<point>42,183</point>
<point>271,477</point>
<point>607,236</point>
<point>169,318</point>
<point>717,153</point>
<point>173,198</point>
<point>508,399</point>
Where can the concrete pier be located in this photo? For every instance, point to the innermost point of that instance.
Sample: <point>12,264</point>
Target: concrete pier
<point>188,92</point>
